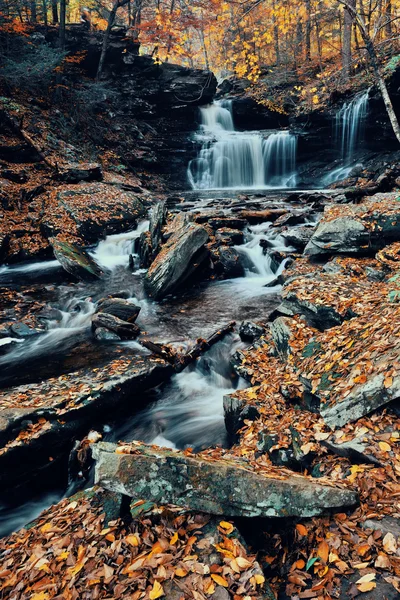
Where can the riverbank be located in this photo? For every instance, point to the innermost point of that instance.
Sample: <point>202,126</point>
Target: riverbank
<point>282,427</point>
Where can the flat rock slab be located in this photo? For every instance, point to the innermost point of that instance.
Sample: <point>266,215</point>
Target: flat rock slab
<point>176,261</point>
<point>41,419</point>
<point>89,211</point>
<point>213,486</point>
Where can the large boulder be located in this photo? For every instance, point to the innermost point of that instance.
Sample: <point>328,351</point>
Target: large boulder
<point>177,260</point>
<point>357,229</point>
<point>213,486</point>
<point>76,261</point>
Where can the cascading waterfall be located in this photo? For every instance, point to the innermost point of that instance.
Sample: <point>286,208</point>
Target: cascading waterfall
<point>240,160</point>
<point>349,132</point>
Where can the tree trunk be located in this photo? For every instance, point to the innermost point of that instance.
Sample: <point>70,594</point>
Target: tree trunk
<point>388,16</point>
<point>33,11</point>
<point>61,39</point>
<point>347,29</point>
<point>382,86</point>
<point>54,11</point>
<point>44,7</point>
<point>308,31</point>
<point>111,19</point>
<point>375,65</point>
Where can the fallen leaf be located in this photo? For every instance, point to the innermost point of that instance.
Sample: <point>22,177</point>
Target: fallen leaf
<point>157,591</point>
<point>220,580</point>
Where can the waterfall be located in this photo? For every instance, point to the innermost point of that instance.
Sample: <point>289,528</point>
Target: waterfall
<point>240,160</point>
<point>350,126</point>
<point>349,129</point>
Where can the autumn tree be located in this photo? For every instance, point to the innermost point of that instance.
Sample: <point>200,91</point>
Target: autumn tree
<point>364,29</point>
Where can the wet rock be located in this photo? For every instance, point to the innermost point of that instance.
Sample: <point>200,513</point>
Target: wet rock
<point>22,330</point>
<point>4,243</point>
<point>227,222</point>
<point>49,313</point>
<point>74,173</point>
<point>178,259</point>
<point>360,229</point>
<point>249,331</point>
<point>294,217</point>
<point>229,237</point>
<point>261,216</point>
<point>279,280</point>
<point>317,315</point>
<point>158,215</point>
<point>229,263</point>
<point>76,261</point>
<point>236,412</point>
<point>355,450</point>
<point>118,307</point>
<point>281,333</point>
<point>298,236</point>
<point>102,334</point>
<point>213,486</point>
<point>124,330</point>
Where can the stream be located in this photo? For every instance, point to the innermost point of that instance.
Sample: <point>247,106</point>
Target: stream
<point>188,410</point>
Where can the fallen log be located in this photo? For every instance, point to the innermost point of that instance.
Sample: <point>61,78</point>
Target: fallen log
<point>181,361</point>
<point>19,130</point>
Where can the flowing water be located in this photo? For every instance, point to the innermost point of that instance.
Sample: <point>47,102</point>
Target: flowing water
<point>349,129</point>
<point>188,410</point>
<point>239,160</point>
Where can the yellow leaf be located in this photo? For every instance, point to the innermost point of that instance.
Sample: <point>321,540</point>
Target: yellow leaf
<point>384,446</point>
<point>157,591</point>
<point>46,527</point>
<point>63,555</point>
<point>132,540</point>
<point>228,527</point>
<point>180,572</point>
<point>220,580</point>
<point>259,579</point>
<point>40,596</point>
<point>301,529</point>
<point>366,587</point>
<point>315,99</point>
<point>174,539</point>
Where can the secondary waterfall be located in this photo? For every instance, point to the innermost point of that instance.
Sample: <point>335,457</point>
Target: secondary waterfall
<point>349,129</point>
<point>240,160</point>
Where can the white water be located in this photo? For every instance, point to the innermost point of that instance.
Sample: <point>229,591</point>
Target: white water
<point>114,251</point>
<point>240,160</point>
<point>189,410</point>
<point>349,131</point>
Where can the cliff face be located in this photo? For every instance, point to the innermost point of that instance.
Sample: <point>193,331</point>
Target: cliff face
<point>153,108</point>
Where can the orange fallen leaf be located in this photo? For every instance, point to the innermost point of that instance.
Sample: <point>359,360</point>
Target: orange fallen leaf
<point>323,551</point>
<point>301,529</point>
<point>220,580</point>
